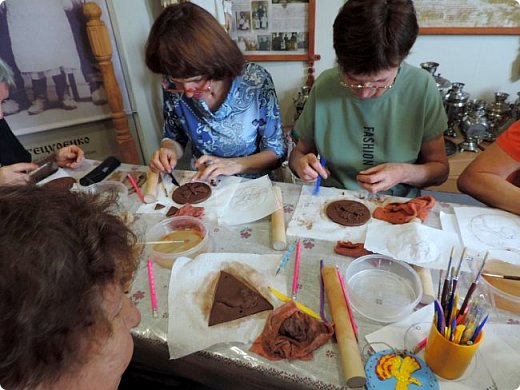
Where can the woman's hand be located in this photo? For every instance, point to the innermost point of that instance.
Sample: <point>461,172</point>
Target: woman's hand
<point>69,156</point>
<point>16,174</point>
<point>308,168</point>
<point>382,177</point>
<point>163,160</point>
<point>210,167</point>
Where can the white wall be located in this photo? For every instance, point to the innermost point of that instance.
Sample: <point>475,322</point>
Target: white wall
<point>486,64</point>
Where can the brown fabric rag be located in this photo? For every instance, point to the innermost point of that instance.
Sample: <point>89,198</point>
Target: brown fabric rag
<point>291,334</point>
<point>348,248</point>
<point>398,213</point>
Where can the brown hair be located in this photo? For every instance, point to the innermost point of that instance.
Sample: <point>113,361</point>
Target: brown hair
<point>374,35</point>
<point>187,41</point>
<point>58,252</point>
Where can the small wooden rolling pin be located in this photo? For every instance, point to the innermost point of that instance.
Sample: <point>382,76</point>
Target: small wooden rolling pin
<point>279,240</point>
<point>351,363</point>
<point>151,187</point>
<point>425,274</point>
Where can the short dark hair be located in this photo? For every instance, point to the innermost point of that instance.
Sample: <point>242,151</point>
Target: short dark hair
<point>187,41</point>
<point>374,35</point>
<point>58,253</point>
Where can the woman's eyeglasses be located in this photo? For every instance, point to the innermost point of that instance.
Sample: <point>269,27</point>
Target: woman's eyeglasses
<point>371,86</point>
<point>169,84</point>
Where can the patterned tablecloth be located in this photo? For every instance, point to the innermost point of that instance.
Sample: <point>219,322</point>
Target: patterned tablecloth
<point>232,365</point>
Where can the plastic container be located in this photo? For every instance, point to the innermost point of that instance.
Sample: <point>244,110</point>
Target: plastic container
<point>182,236</point>
<point>504,293</point>
<point>447,359</point>
<point>381,288</point>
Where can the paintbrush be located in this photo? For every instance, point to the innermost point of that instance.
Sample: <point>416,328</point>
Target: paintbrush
<point>161,242</point>
<point>472,287</point>
<point>499,276</point>
<point>446,286</point>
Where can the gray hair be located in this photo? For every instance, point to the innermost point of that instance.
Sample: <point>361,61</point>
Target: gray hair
<point>6,74</point>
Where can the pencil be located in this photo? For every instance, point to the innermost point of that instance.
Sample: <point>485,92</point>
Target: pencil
<point>151,283</point>
<point>322,294</point>
<point>284,298</point>
<point>296,275</point>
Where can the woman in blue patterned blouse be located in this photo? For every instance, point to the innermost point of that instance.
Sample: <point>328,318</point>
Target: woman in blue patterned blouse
<point>227,108</point>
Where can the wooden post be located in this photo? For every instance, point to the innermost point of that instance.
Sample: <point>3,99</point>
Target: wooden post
<point>102,50</point>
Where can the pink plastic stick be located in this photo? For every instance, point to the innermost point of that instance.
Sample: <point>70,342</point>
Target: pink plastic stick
<point>151,283</point>
<point>137,190</point>
<point>351,317</point>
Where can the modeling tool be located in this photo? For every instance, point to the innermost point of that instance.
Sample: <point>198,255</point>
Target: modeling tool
<point>151,284</point>
<point>296,275</point>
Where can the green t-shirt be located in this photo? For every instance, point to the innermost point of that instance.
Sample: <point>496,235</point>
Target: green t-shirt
<point>354,134</point>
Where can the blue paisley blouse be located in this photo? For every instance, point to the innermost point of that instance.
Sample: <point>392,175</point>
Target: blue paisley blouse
<point>247,122</point>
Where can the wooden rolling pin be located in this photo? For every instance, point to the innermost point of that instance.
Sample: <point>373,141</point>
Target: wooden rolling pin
<point>278,224</point>
<point>351,363</point>
<point>150,187</point>
<point>425,274</point>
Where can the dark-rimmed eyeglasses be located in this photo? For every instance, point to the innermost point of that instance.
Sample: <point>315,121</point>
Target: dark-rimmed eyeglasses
<point>169,84</point>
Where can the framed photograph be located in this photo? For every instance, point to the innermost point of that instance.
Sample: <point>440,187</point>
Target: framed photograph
<point>58,80</point>
<point>457,17</point>
<point>274,30</point>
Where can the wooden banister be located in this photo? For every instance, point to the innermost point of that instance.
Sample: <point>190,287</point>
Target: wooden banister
<point>102,50</point>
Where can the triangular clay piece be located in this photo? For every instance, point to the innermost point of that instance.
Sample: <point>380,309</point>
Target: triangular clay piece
<point>233,300</point>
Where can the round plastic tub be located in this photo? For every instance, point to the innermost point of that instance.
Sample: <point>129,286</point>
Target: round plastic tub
<point>381,288</point>
<point>182,236</point>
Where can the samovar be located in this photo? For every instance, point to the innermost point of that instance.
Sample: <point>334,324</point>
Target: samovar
<point>516,107</point>
<point>300,100</point>
<point>455,105</point>
<point>443,85</point>
<point>474,126</point>
<point>500,115</point>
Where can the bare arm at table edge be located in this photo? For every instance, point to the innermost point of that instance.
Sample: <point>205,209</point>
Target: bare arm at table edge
<point>485,178</point>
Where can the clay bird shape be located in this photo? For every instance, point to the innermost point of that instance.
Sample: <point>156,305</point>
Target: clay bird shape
<point>393,366</point>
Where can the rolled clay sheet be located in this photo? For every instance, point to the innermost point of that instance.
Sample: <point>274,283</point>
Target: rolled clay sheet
<point>425,274</point>
<point>351,363</point>
<point>150,188</point>
<point>279,239</point>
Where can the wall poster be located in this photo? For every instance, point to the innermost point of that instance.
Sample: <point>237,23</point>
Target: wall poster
<point>274,30</point>
<point>497,17</point>
<point>58,81</point>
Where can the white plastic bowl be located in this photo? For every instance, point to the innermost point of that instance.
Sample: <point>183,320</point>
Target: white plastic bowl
<point>381,288</point>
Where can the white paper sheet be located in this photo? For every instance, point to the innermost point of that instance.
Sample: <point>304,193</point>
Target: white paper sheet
<point>252,200</point>
<point>496,361</point>
<point>483,229</point>
<point>310,220</point>
<point>192,283</point>
<point>414,243</point>
<point>213,206</point>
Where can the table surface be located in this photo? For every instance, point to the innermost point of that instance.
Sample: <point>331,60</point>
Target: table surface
<point>231,365</point>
